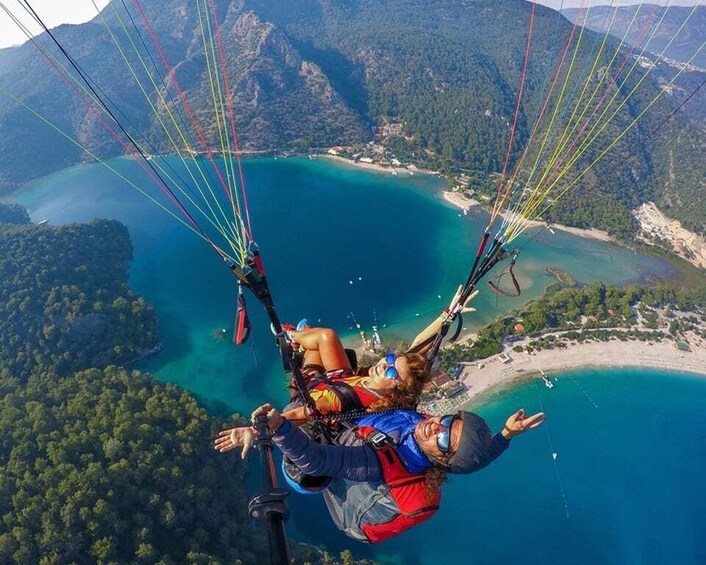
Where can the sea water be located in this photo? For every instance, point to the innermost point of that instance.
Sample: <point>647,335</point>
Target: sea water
<point>615,475</point>
<point>340,245</point>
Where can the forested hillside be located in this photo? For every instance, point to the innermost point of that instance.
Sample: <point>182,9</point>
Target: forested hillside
<point>325,72</point>
<point>598,309</point>
<point>450,71</point>
<point>111,466</point>
<point>64,300</point>
<point>675,33</point>
<point>630,22</point>
<point>103,465</point>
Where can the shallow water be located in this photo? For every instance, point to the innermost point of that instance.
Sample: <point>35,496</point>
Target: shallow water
<point>321,227</point>
<point>626,484</point>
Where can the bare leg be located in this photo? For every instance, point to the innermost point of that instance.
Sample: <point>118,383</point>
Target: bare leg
<point>322,347</point>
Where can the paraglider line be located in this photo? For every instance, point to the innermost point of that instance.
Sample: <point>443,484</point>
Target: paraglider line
<point>552,454</point>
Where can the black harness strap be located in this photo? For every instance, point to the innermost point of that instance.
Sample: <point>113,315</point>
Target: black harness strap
<point>480,268</point>
<point>346,394</point>
<point>255,280</point>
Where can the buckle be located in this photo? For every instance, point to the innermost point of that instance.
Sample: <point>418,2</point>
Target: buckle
<point>378,439</point>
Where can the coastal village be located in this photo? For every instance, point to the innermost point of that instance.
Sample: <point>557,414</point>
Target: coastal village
<point>521,359</point>
<point>678,343</point>
<point>659,339</point>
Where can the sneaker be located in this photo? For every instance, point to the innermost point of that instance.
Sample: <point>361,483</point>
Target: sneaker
<point>287,329</point>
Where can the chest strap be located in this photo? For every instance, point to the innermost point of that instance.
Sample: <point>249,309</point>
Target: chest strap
<point>346,394</point>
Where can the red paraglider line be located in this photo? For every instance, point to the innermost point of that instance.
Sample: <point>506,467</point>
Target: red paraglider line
<point>548,97</point>
<point>231,116</point>
<point>172,75</point>
<point>130,148</point>
<point>558,168</point>
<point>508,150</point>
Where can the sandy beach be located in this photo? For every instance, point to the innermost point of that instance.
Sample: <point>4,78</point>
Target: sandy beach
<point>406,170</point>
<point>494,374</point>
<point>464,202</point>
<point>459,200</point>
<point>497,375</point>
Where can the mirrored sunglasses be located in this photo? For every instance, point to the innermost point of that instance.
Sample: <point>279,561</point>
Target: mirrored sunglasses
<point>443,438</point>
<point>391,371</point>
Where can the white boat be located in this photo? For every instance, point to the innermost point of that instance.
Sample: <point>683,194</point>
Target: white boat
<point>545,378</point>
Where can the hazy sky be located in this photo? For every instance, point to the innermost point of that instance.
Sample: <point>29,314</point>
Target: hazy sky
<point>556,4</point>
<point>55,12</point>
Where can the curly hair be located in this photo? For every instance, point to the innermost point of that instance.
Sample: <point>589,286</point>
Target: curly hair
<point>407,391</point>
<point>434,477</point>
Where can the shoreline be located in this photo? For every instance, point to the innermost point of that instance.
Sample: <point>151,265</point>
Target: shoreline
<point>465,203</point>
<point>375,167</point>
<point>497,377</point>
<point>459,200</point>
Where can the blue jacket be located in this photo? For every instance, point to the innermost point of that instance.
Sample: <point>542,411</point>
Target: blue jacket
<point>359,463</point>
<point>399,425</point>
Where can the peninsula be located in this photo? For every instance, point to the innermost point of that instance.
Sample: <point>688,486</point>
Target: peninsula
<point>571,329</point>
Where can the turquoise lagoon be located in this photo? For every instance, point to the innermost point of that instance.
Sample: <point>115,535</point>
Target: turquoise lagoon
<point>336,240</point>
<point>626,485</point>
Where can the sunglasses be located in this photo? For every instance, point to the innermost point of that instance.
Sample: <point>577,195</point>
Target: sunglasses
<point>443,438</point>
<point>391,371</point>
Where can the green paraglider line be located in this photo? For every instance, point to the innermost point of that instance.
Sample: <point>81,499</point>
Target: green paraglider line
<point>208,202</point>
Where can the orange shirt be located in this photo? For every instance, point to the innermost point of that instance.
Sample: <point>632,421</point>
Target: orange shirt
<point>328,402</point>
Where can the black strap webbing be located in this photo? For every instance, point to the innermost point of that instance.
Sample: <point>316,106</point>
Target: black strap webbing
<point>346,394</point>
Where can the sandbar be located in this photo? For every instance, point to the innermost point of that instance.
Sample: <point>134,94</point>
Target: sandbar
<point>465,202</point>
<point>497,375</point>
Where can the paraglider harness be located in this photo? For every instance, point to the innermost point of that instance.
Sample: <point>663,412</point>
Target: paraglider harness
<point>374,512</point>
<point>350,398</point>
<point>483,263</point>
<point>270,506</point>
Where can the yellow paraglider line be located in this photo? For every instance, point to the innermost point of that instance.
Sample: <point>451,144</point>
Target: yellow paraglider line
<point>219,112</point>
<point>221,227</point>
<point>511,235</point>
<point>521,222</point>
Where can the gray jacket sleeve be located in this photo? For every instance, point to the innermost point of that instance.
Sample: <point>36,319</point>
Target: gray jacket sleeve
<point>498,445</point>
<point>355,463</point>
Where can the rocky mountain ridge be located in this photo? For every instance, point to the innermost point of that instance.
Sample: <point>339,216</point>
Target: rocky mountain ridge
<point>324,72</point>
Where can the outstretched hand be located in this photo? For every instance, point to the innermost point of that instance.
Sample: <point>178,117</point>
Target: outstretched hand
<point>428,333</point>
<point>236,437</point>
<point>519,423</point>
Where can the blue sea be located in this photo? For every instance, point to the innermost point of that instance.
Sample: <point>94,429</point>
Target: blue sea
<point>626,486</point>
<point>340,243</point>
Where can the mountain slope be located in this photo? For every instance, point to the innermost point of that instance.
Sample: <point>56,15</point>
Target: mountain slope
<point>321,72</point>
<point>675,34</point>
<point>651,27</point>
<point>282,100</point>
